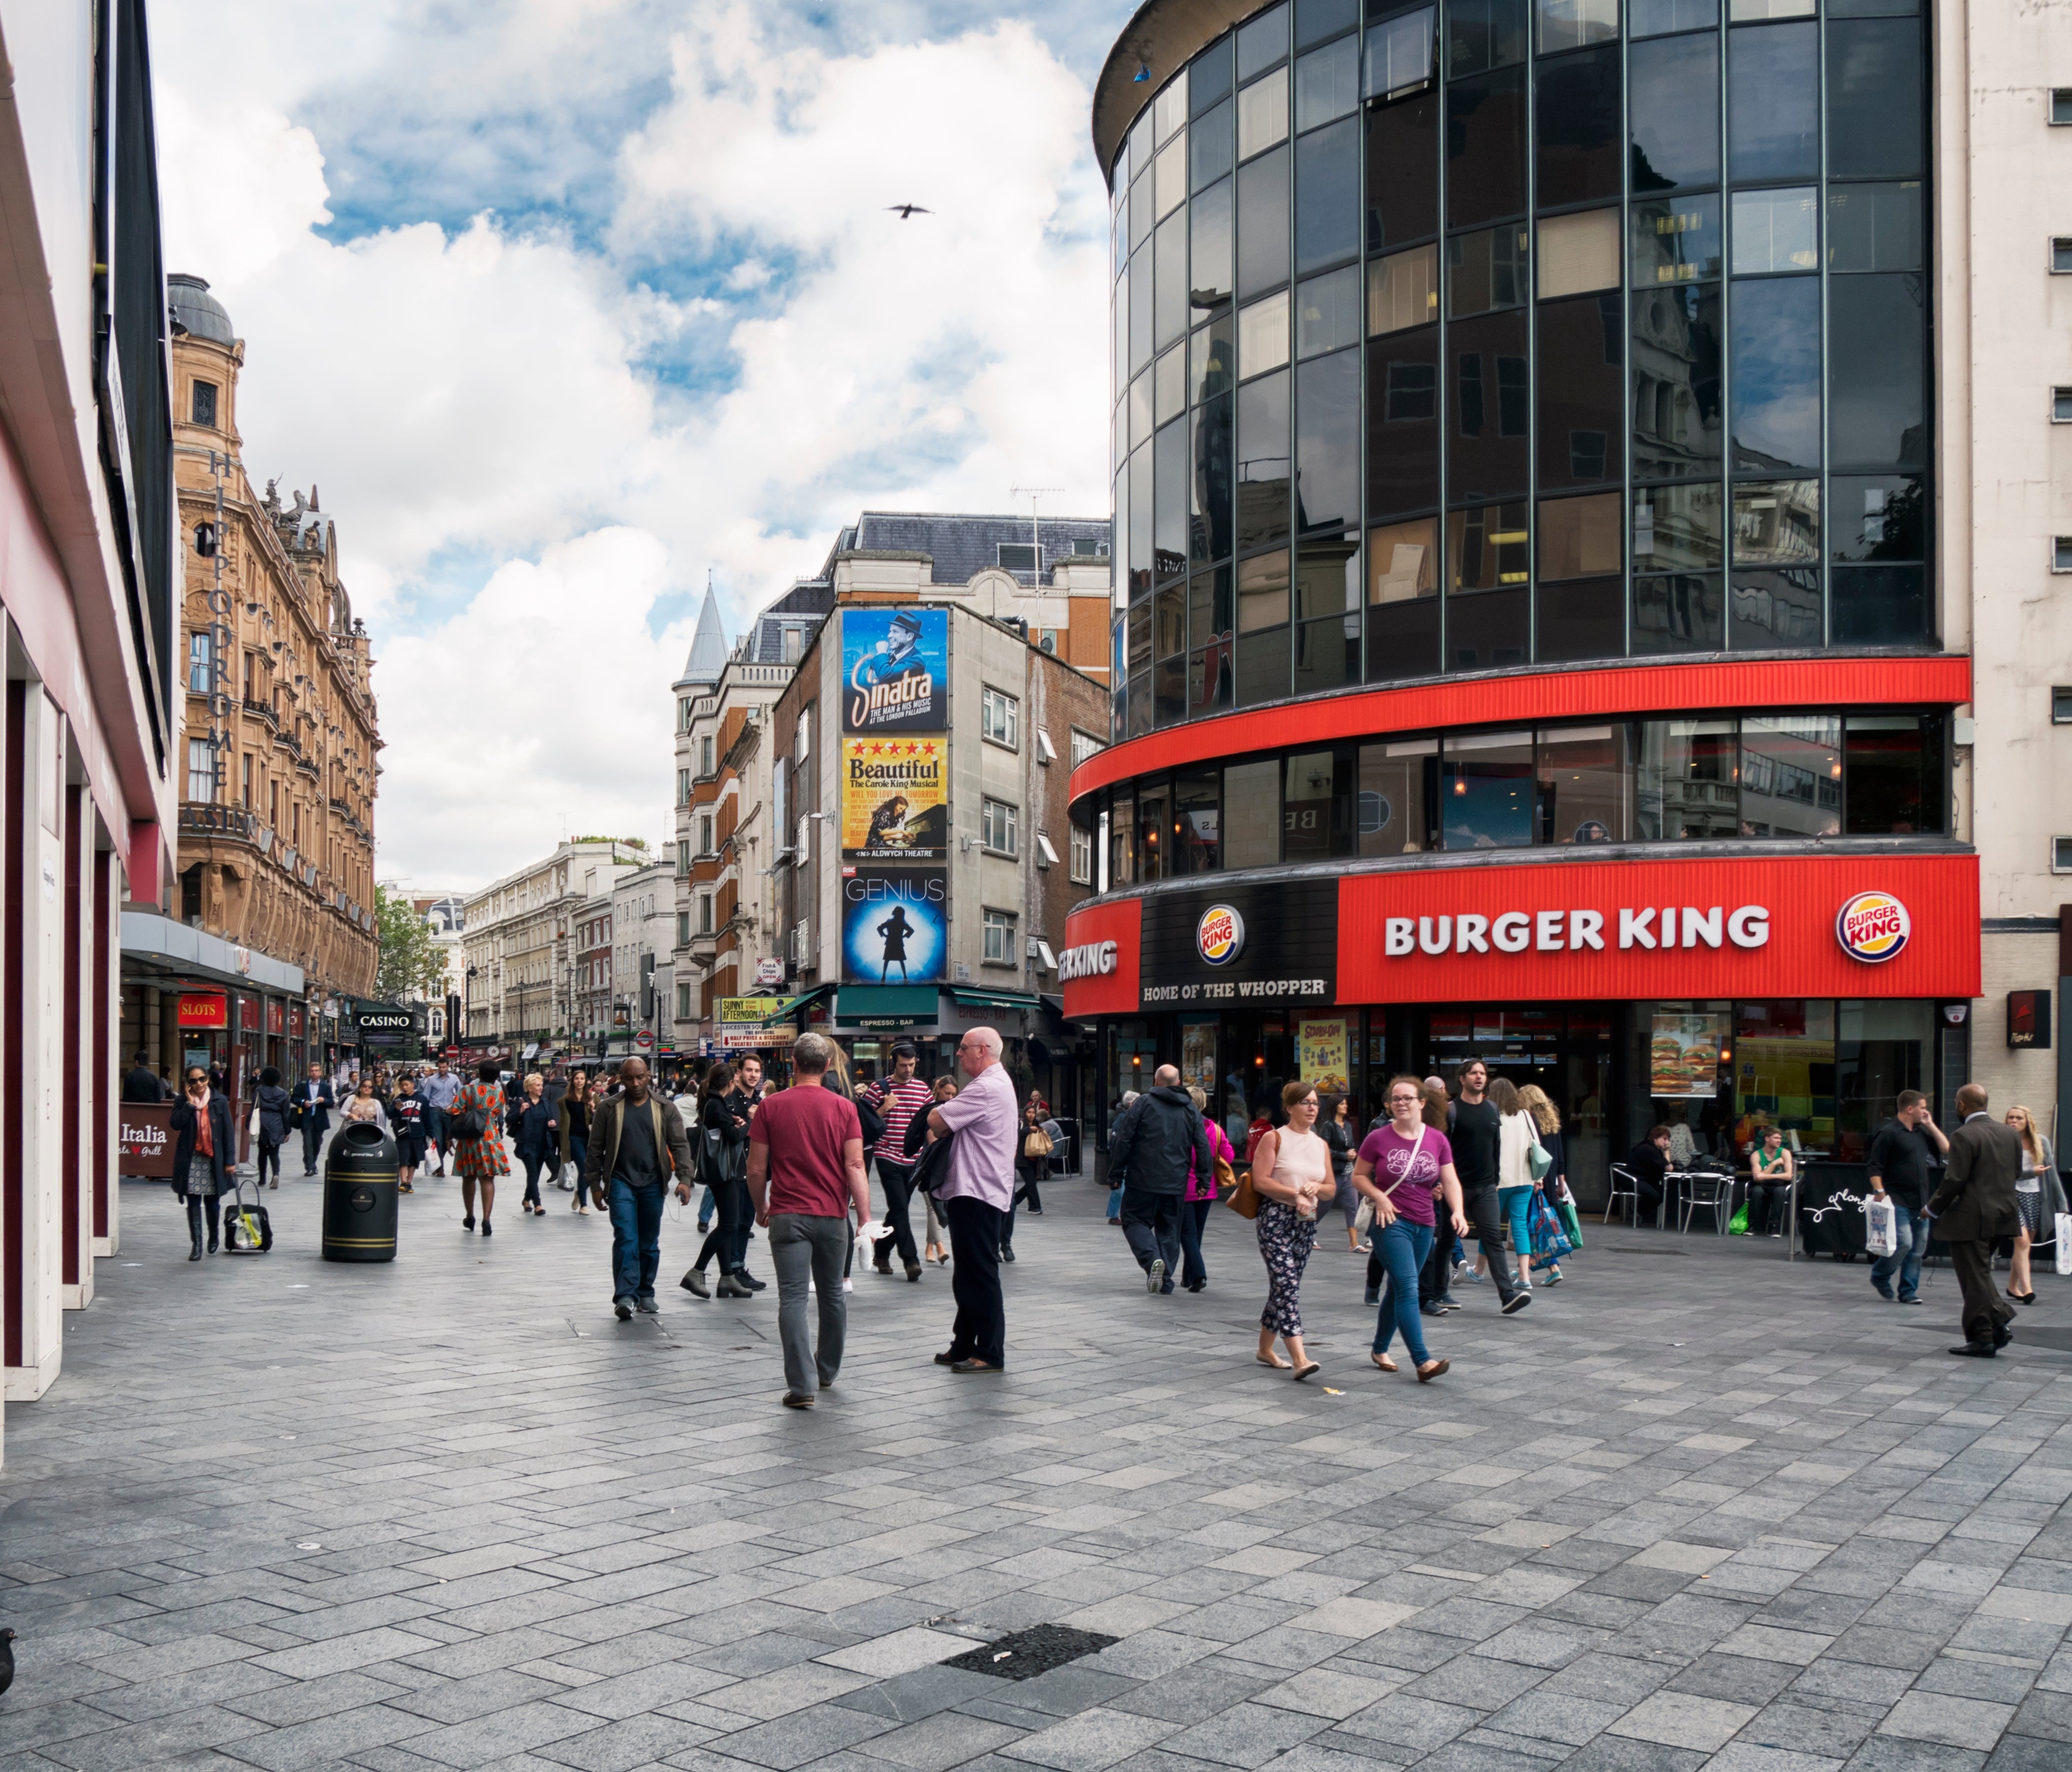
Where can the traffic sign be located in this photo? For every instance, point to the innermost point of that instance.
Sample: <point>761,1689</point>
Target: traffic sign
<point>452,1052</point>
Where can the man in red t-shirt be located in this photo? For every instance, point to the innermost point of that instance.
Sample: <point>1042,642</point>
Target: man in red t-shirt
<point>805,1171</point>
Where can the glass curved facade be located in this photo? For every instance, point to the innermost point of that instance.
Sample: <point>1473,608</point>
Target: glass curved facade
<point>1504,332</point>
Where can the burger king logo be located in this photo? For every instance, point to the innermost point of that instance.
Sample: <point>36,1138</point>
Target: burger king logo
<point>1872,927</point>
<point>1219,936</point>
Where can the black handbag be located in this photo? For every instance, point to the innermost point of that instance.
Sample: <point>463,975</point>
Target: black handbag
<point>871,1121</point>
<point>472,1123</point>
<point>931,1168</point>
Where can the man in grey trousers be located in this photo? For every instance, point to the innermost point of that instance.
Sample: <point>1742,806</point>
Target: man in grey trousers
<point>805,1173</point>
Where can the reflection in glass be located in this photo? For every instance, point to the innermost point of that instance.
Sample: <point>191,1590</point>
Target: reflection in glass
<point>1262,42</point>
<point>1262,592</point>
<point>1578,124</point>
<point>1403,562</point>
<point>1485,148</point>
<point>1403,290</point>
<point>1486,790</point>
<point>1491,404</point>
<point>1141,217</point>
<point>1486,271</point>
<point>1773,102</point>
<point>1777,522</point>
<point>1252,813</point>
<point>1676,242</point>
<point>1327,655</point>
<point>1140,520</point>
<point>1210,501</point>
<point>1769,610</point>
<point>1579,537</point>
<point>1488,546</point>
<point>1317,19</point>
<point>1791,776</point>
<point>1398,782</point>
<point>1876,373</point>
<point>1676,529</point>
<point>1122,842</point>
<point>1776,231</point>
<point>1211,606</point>
<point>1676,382</point>
<point>1582,392</point>
<point>1169,110</point>
<point>1209,256</point>
<point>1169,695</point>
<point>1484,33</point>
<point>1881,606</point>
<point>1402,423</point>
<point>1171,479</point>
<point>1212,145</point>
<point>1170,307</point>
<point>1169,176</point>
<point>1119,443</point>
<point>1656,17</point>
<point>1209,76</point>
<point>1776,367</point>
<point>1327,441</point>
<point>1168,382</point>
<point>1673,89</point>
<point>1677,612</point>
<point>1262,114</point>
<point>1212,360</point>
<point>1683,786</point>
<point>1579,618</point>
<point>1569,24</point>
<point>1141,410</point>
<point>1877,517</point>
<point>1579,253</point>
<point>1197,796</point>
<point>1168,621</point>
<point>1262,336</point>
<point>1874,99</point>
<point>1327,200</point>
<point>1403,602</point>
<point>1400,53</point>
<point>1140,635</point>
<point>1403,172</point>
<point>1262,223</point>
<point>1262,667</point>
<point>1327,313</point>
<point>1894,775</point>
<point>1586,784</point>
<point>1874,228</point>
<point>1140,311</point>
<point>1262,460</point>
<point>1327,578</point>
<point>1327,84</point>
<point>1743,12</point>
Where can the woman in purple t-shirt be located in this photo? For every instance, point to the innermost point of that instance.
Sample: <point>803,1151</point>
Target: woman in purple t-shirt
<point>1400,1167</point>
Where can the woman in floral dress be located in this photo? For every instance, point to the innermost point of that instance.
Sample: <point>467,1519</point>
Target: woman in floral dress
<point>480,1160</point>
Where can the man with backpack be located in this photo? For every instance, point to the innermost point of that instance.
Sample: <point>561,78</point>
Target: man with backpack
<point>1156,1147</point>
<point>896,1100</point>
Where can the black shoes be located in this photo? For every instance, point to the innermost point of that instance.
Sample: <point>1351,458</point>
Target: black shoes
<point>694,1282</point>
<point>467,1223</point>
<point>1976,1350</point>
<point>622,1308</point>
<point>1198,1286</point>
<point>211,1242</point>
<point>970,1366</point>
<point>1007,1252</point>
<point>1516,1302</point>
<point>947,1359</point>
<point>913,1270</point>
<point>744,1278</point>
<point>2002,1336</point>
<point>797,1400</point>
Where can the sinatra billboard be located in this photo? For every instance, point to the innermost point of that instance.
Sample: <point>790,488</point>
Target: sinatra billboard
<point>895,671</point>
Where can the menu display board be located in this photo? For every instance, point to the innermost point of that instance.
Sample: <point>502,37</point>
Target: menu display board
<point>1684,1057</point>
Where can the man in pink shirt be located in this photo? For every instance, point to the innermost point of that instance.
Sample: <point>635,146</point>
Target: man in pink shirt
<point>976,1200</point>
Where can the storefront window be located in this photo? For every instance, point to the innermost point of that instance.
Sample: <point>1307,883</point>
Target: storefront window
<point>1122,842</point>
<point>1684,790</point>
<point>1151,805</point>
<point>1791,776</point>
<point>1784,1073</point>
<point>1399,783</point>
<point>1196,849</point>
<point>1880,1049</point>
<point>1317,817</point>
<point>1895,775</point>
<point>1486,790</point>
<point>1252,833</point>
<point>1585,785</point>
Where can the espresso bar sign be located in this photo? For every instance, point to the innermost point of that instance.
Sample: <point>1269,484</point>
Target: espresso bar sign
<point>1241,944</point>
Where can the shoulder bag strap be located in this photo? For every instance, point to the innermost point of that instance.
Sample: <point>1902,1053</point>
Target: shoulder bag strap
<point>1417,1150</point>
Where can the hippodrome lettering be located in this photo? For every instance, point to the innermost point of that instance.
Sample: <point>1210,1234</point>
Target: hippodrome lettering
<point>1575,931</point>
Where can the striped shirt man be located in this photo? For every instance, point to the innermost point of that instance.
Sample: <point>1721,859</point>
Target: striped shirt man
<point>898,1100</point>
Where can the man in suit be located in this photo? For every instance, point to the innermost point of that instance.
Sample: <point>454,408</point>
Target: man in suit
<point>1975,1206</point>
<point>311,1102</point>
<point>142,1084</point>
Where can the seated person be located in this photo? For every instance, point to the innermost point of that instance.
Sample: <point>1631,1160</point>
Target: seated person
<point>1649,1163</point>
<point>1770,1170</point>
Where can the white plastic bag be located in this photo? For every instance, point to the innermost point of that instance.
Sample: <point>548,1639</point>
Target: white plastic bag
<point>2064,1229</point>
<point>1880,1226</point>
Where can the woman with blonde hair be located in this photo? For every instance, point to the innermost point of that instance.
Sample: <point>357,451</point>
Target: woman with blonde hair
<point>1547,1122</point>
<point>2039,1196</point>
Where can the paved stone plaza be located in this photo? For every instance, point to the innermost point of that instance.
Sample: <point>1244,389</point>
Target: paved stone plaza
<point>1695,1508</point>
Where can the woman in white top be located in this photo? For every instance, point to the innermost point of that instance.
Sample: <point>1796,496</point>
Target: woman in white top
<point>1515,1183</point>
<point>1292,1171</point>
<point>2040,1197</point>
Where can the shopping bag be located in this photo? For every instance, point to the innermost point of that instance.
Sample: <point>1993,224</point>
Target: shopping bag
<point>1570,1222</point>
<point>1737,1226</point>
<point>2063,1228</point>
<point>1880,1227</point>
<point>1550,1242</point>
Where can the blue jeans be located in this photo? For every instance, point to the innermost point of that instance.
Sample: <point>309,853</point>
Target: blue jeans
<point>1402,1247</point>
<point>636,1238</point>
<point>579,1155</point>
<point>1909,1244</point>
<point>1511,1205</point>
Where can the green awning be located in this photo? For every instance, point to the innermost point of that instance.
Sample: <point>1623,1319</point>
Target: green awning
<point>791,1007</point>
<point>1014,1002</point>
<point>915,1002</point>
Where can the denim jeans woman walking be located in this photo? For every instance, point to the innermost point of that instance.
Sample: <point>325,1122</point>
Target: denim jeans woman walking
<point>1401,1166</point>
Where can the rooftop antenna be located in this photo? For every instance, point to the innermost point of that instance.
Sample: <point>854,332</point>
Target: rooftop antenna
<point>1033,494</point>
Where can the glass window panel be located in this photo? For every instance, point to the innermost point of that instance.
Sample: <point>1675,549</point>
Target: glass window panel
<point>1487,270</point>
<point>1876,373</point>
<point>1211,606</point>
<point>1657,18</point>
<point>1755,11</point>
<point>1317,806</point>
<point>1170,307</point>
<point>1327,578</point>
<point>1578,121</point>
<point>1209,258</point>
<point>1400,52</point>
<point>1773,610</point>
<point>1676,242</point>
<point>1579,537</point>
<point>1169,110</point>
<point>1141,410</point>
<point>1317,19</point>
<point>1209,683</point>
<point>1169,176</point>
<point>1485,148</point>
<point>1262,592</point>
<point>1262,336</point>
<point>1490,401</point>
<point>1582,391</point>
<point>1122,842</point>
<point>1140,636</point>
<point>1403,562</point>
<point>1252,813</point>
<point>1211,505</point>
<point>1118,176</point>
<point>1262,460</point>
<point>1327,198</point>
<point>1673,89</point>
<point>1262,667</point>
<point>1777,522</point>
<point>1262,42</point>
<point>1212,360</point>
<point>1119,339</point>
<point>1403,290</point>
<point>1579,618</point>
<point>1398,782</point>
<point>1791,776</point>
<point>1197,804</point>
<point>1586,784</point>
<point>1141,217</point>
<point>1484,33</point>
<point>1486,630</point>
<point>1403,424</point>
<point>1139,141</point>
<point>1327,313</point>
<point>1677,612</point>
<point>1262,223</point>
<point>1139,520</point>
<point>1877,517</point>
<point>1169,701</point>
<point>1872,9</point>
<point>1403,172</point>
<point>1327,441</point>
<point>1776,231</point>
<point>1776,367</point>
<point>1894,775</point>
<point>1140,705</point>
<point>1486,790</point>
<point>1676,382</point>
<point>1262,114</point>
<point>1874,99</point>
<point>1170,476</point>
<point>1327,656</point>
<point>1773,102</point>
<point>1684,782</point>
<point>1676,529</point>
<point>1209,76</point>
<point>1168,621</point>
<point>1120,449</point>
<point>1118,238</point>
<point>1874,228</point>
<point>1212,145</point>
<point>1169,384</point>
<point>1579,253</point>
<point>1327,84</point>
<point>1140,311</point>
<point>1489,546</point>
<point>1403,640</point>
<point>1569,24</point>
<point>1880,606</point>
<point>1119,538</point>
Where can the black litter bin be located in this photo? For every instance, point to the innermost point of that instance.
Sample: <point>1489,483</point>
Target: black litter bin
<point>359,1195</point>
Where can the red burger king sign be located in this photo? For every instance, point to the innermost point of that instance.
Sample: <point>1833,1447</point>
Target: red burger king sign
<point>1872,927</point>
<point>1220,935</point>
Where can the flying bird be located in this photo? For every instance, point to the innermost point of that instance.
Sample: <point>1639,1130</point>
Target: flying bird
<point>907,212</point>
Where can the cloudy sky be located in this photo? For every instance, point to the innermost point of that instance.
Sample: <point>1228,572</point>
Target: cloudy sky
<point>563,304</point>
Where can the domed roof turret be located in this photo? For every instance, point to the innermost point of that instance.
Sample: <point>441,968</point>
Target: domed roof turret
<point>195,310</point>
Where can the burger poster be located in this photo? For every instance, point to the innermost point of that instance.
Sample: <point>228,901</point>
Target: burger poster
<point>1684,1057</point>
<point>894,798</point>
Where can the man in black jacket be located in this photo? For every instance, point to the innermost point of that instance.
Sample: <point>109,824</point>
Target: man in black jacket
<point>141,1083</point>
<point>311,1101</point>
<point>1151,1146</point>
<point>1973,1207</point>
